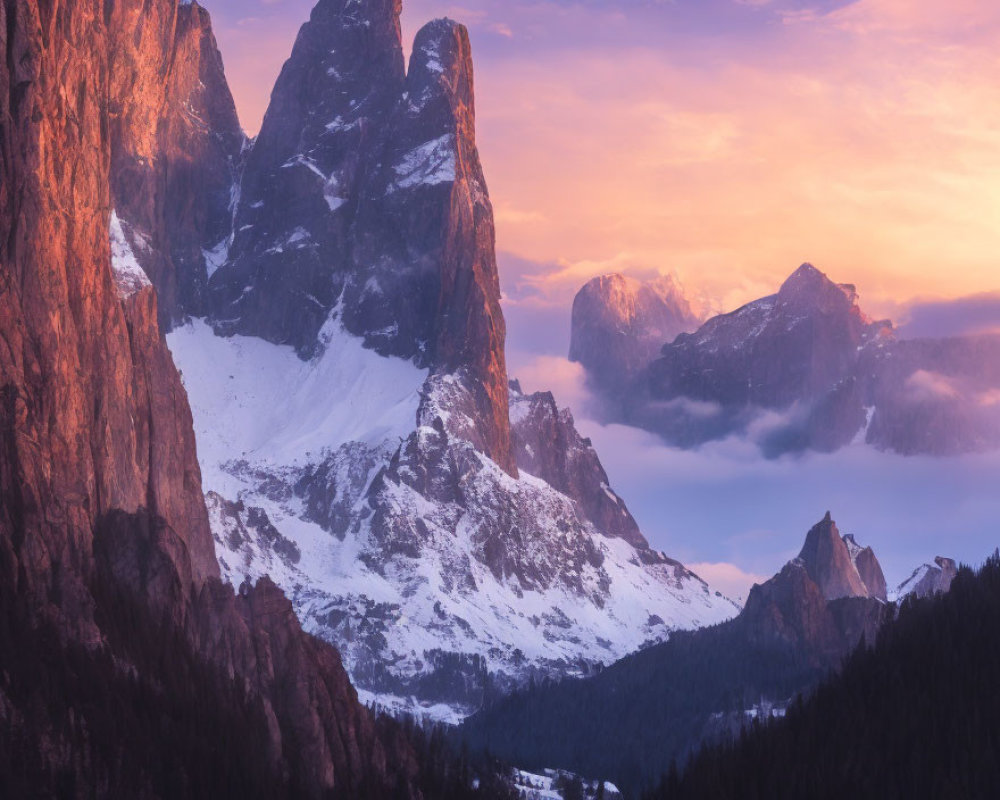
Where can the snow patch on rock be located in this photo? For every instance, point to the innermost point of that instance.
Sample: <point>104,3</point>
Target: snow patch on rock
<point>430,164</point>
<point>128,274</point>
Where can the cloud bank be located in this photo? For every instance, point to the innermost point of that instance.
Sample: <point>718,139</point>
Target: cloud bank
<point>737,517</point>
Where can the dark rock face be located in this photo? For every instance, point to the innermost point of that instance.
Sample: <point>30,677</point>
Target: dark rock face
<point>364,193</point>
<point>806,369</point>
<point>175,150</point>
<point>548,446</point>
<point>619,326</point>
<point>819,602</point>
<point>292,250</point>
<point>98,473</point>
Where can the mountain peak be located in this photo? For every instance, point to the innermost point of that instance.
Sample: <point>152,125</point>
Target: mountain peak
<point>827,559</point>
<point>441,52</point>
<point>810,285</point>
<point>620,324</point>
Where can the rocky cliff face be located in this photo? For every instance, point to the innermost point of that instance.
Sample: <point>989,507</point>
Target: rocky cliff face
<point>620,324</point>
<point>807,369</point>
<point>364,198</point>
<point>819,602</point>
<point>292,257</point>
<point>95,416</point>
<point>175,149</point>
<point>98,471</point>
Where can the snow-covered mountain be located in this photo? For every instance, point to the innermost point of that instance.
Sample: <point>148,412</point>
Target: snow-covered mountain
<point>928,579</point>
<point>359,440</point>
<point>427,564</point>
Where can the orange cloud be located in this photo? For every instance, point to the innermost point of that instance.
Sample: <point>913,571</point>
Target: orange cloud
<point>867,154</point>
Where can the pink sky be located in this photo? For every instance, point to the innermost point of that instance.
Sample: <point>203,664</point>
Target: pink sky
<point>726,141</point>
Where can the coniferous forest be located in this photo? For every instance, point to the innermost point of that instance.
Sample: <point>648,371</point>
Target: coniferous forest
<point>143,716</point>
<point>915,716</point>
<point>628,723</point>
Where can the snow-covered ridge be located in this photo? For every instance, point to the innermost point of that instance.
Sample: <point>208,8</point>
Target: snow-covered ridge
<point>348,481</point>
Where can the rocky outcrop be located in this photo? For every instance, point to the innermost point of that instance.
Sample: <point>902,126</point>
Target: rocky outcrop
<point>806,369</point>
<point>868,568</point>
<point>175,149</point>
<point>547,445</point>
<point>363,199</point>
<point>928,580</point>
<point>819,603</point>
<point>828,562</point>
<point>620,324</point>
<point>99,481</point>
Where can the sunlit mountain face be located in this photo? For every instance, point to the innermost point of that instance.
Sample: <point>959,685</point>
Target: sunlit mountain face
<point>723,143</point>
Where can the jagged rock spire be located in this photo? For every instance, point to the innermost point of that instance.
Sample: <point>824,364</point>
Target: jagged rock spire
<point>828,562</point>
<point>364,199</point>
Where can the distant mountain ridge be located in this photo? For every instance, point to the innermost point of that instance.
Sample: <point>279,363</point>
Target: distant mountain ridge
<point>807,369</point>
<point>619,325</point>
<point>913,715</point>
<point>630,721</point>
